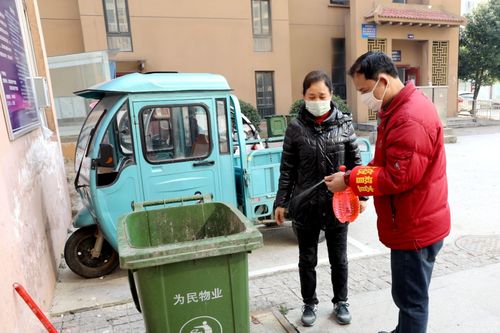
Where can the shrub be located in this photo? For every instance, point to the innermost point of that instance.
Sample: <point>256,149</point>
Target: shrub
<point>251,113</point>
<point>296,106</point>
<point>341,104</point>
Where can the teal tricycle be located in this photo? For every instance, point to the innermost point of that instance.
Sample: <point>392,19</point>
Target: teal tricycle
<point>160,136</point>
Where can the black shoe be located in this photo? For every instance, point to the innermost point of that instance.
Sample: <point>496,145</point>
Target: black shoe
<point>342,315</point>
<point>308,314</point>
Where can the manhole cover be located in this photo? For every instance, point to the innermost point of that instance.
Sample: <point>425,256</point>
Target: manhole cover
<point>480,244</point>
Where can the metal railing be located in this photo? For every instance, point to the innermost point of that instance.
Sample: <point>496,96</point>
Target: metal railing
<point>485,109</point>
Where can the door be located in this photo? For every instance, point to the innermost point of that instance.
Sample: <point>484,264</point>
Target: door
<point>412,74</point>
<point>116,183</point>
<point>180,155</point>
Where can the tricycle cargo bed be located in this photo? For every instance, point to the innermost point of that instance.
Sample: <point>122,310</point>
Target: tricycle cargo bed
<point>258,183</point>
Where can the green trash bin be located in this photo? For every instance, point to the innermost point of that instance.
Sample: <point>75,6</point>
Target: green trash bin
<point>190,266</point>
<point>276,125</point>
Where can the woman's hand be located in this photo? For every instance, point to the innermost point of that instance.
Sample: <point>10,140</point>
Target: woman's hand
<point>279,215</point>
<point>362,205</point>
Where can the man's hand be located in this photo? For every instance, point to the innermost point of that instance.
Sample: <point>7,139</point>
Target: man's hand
<point>279,215</point>
<point>335,182</point>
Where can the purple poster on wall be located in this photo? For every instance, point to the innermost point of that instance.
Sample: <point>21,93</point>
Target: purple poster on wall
<point>14,72</point>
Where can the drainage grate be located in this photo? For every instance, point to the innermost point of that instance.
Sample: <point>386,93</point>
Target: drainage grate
<point>480,244</point>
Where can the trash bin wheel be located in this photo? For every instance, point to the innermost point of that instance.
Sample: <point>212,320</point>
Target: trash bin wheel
<point>77,253</point>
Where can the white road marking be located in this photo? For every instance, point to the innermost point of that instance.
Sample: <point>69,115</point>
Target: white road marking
<point>364,249</point>
<point>365,252</point>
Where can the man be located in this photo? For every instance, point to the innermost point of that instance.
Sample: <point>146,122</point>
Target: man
<point>407,178</point>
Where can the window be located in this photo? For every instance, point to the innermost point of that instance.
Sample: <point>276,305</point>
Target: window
<point>264,86</point>
<point>124,130</point>
<point>119,139</point>
<point>117,25</point>
<point>340,2</point>
<point>412,2</point>
<point>261,18</point>
<point>338,68</point>
<point>172,133</point>
<point>222,126</point>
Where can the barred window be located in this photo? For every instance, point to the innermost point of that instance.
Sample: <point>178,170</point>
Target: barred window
<point>261,24</point>
<point>340,2</point>
<point>264,84</point>
<point>117,25</point>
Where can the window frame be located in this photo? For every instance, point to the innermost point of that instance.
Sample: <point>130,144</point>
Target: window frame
<point>262,36</point>
<point>343,3</point>
<point>118,34</point>
<point>175,160</point>
<point>118,131</point>
<point>122,158</point>
<point>227,147</point>
<point>272,89</point>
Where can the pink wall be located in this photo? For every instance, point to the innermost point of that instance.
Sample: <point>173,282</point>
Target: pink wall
<point>35,213</point>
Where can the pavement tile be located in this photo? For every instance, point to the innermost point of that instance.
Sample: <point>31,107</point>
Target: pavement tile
<point>282,290</point>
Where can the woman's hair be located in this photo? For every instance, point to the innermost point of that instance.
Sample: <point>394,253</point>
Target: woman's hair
<point>371,64</point>
<point>316,76</point>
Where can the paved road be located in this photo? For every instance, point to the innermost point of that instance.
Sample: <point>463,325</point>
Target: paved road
<point>474,186</point>
<point>372,273</point>
<point>474,192</point>
<point>474,189</point>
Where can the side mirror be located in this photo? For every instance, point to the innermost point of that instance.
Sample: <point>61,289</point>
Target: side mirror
<point>105,158</point>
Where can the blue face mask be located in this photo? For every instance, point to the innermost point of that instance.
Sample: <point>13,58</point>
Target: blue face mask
<point>318,108</point>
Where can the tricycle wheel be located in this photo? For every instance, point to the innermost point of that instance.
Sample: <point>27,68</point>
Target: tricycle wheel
<point>77,253</point>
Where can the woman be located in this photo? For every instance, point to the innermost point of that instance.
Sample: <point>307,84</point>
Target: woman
<point>316,143</point>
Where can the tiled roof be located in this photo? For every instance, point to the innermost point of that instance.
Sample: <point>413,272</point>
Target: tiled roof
<point>414,14</point>
<point>419,14</point>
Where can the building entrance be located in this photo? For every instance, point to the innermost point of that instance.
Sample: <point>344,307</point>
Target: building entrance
<point>408,73</point>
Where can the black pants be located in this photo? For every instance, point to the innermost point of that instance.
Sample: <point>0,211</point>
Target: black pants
<point>336,241</point>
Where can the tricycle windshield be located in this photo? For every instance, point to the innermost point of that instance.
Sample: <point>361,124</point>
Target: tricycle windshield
<point>90,126</point>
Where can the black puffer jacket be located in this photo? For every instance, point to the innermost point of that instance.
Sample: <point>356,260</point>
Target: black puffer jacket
<point>310,152</point>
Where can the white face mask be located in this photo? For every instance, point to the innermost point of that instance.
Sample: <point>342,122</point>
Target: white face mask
<point>318,108</point>
<point>371,101</point>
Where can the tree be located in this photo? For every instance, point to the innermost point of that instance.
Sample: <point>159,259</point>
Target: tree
<point>479,48</point>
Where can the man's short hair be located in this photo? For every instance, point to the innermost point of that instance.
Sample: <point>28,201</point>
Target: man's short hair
<point>371,64</point>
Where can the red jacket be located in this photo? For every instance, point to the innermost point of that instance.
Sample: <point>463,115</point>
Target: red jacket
<point>407,176</point>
